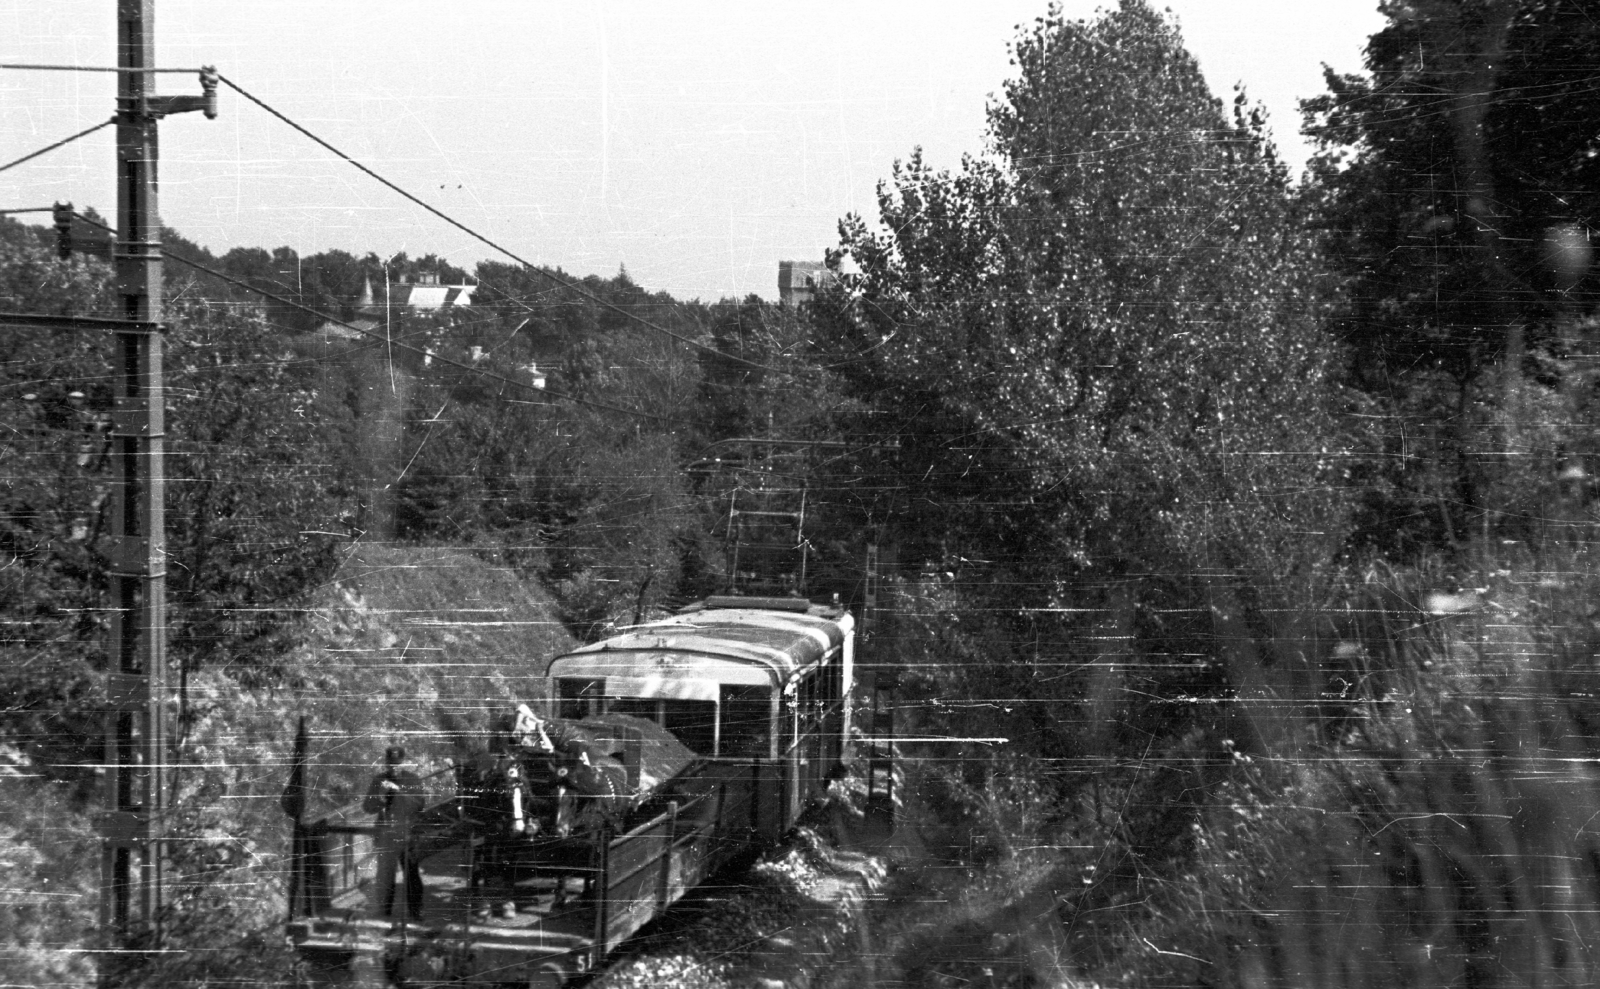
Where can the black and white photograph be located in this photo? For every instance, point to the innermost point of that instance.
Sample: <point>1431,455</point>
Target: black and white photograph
<point>1004,494</point>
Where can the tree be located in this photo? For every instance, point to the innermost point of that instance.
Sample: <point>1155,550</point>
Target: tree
<point>250,504</point>
<point>255,505</point>
<point>761,378</point>
<point>52,482</point>
<point>1454,187</point>
<point>1098,347</point>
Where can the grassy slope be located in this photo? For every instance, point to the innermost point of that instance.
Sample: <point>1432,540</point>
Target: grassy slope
<point>1439,829</point>
<point>419,646</point>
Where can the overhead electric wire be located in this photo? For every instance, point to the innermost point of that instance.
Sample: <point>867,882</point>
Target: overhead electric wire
<point>85,68</point>
<point>570,286</point>
<point>63,141</point>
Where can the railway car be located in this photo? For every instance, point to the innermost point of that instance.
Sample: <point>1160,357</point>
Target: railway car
<point>702,738</point>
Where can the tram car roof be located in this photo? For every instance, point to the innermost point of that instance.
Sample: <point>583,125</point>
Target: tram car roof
<point>751,641</point>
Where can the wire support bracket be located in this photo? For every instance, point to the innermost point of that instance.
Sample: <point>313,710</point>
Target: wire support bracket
<point>35,67</point>
<point>56,321</point>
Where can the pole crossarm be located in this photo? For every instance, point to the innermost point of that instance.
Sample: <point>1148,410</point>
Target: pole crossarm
<point>29,66</point>
<point>53,321</point>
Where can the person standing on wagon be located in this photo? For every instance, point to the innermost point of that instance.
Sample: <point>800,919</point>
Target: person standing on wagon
<point>397,798</point>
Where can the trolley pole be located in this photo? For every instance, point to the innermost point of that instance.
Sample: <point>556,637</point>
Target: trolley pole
<point>133,851</point>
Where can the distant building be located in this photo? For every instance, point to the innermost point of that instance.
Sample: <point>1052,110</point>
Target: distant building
<point>424,291</point>
<point>799,281</point>
<point>376,314</point>
<point>412,292</point>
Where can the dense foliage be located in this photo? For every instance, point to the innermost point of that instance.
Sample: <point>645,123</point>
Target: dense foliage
<point>249,507</point>
<point>1431,760</point>
<point>1099,349</point>
<point>1455,188</point>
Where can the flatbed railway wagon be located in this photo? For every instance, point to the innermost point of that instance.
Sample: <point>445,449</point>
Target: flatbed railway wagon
<point>727,719</point>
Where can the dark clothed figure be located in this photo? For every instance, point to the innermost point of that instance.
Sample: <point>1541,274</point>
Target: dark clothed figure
<point>590,770</point>
<point>397,798</point>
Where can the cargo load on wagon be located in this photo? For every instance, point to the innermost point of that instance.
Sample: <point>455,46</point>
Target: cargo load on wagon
<point>550,776</point>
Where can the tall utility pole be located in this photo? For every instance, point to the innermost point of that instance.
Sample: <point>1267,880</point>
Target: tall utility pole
<point>132,858</point>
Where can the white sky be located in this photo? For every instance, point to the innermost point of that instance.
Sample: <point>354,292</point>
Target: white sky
<point>697,143</point>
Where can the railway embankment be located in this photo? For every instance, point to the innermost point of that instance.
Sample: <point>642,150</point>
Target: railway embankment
<point>859,898</point>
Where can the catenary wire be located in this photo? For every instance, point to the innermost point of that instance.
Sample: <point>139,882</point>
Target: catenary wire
<point>570,286</point>
<point>60,143</point>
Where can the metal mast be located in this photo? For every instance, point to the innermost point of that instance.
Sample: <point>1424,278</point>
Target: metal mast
<point>132,860</point>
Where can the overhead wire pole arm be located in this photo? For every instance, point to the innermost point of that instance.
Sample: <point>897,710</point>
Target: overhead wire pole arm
<point>206,102</point>
<point>53,321</point>
<point>92,68</point>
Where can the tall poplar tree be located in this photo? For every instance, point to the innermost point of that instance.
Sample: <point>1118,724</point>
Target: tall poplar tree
<point>1099,346</point>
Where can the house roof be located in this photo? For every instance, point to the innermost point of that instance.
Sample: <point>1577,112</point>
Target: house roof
<point>430,296</point>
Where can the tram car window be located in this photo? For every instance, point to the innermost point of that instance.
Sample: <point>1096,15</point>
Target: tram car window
<point>810,702</point>
<point>746,721</point>
<point>577,698</point>
<point>693,722</point>
<point>832,683</point>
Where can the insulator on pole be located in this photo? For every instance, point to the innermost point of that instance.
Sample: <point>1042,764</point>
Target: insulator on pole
<point>63,217</point>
